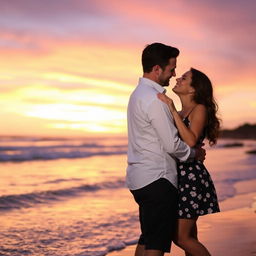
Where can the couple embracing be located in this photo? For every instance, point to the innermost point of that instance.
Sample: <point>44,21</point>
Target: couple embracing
<point>165,172</point>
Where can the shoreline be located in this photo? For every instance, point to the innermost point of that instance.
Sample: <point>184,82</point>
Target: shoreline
<point>230,232</point>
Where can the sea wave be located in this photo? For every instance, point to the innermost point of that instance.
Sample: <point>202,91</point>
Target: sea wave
<point>10,202</point>
<point>29,153</point>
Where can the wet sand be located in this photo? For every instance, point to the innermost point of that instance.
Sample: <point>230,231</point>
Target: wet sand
<point>231,232</point>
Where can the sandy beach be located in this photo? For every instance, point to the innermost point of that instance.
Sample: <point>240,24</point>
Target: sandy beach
<point>231,232</point>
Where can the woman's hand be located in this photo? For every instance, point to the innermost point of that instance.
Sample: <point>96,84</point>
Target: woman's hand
<point>168,101</point>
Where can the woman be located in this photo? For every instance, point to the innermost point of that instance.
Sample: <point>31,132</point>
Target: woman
<point>196,120</point>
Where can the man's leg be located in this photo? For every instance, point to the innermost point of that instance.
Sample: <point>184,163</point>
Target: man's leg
<point>157,207</point>
<point>153,253</point>
<point>140,250</point>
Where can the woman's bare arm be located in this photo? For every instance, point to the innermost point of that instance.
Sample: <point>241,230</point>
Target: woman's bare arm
<point>197,119</point>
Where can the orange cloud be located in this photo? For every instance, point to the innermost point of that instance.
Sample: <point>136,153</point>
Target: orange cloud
<point>64,68</point>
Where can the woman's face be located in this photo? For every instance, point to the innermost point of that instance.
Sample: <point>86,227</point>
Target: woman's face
<point>183,85</point>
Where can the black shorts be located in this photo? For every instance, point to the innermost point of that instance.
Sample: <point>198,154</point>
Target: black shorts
<point>158,203</point>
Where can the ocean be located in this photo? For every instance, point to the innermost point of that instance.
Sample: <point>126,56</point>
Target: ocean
<point>67,196</point>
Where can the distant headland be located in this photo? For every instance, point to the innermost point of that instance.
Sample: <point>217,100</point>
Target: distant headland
<point>245,131</point>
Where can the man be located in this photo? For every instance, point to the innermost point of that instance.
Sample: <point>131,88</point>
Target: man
<point>153,146</point>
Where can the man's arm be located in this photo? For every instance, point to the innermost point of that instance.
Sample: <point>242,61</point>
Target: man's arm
<point>162,121</point>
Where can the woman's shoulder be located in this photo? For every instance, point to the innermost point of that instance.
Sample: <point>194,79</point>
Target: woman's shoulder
<point>199,113</point>
<point>199,109</point>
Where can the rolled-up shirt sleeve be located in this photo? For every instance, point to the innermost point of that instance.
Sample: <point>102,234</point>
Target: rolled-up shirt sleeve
<point>162,121</point>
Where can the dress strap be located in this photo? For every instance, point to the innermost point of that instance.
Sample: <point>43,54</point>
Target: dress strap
<point>190,112</point>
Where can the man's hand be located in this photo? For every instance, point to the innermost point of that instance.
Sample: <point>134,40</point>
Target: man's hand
<point>200,154</point>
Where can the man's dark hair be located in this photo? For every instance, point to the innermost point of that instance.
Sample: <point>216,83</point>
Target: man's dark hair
<point>157,54</point>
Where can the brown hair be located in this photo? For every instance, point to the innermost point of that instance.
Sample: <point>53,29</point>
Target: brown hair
<point>157,54</point>
<point>204,95</point>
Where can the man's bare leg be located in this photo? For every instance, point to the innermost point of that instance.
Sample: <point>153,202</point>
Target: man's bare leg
<point>140,251</point>
<point>153,253</point>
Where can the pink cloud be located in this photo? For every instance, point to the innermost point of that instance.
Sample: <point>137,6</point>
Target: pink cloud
<point>215,35</point>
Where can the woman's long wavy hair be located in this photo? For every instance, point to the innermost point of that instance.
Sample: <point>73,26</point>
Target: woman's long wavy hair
<point>204,95</point>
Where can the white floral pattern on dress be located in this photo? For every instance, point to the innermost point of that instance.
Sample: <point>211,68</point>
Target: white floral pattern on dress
<point>195,206</point>
<point>191,176</point>
<point>196,191</point>
<point>193,194</point>
<point>209,210</point>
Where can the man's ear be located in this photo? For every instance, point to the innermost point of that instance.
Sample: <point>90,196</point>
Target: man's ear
<point>157,70</point>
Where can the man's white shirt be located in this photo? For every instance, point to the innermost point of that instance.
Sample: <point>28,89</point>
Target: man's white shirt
<point>153,141</point>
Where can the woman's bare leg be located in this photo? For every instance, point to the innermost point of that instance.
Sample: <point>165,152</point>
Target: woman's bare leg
<point>187,238</point>
<point>193,234</point>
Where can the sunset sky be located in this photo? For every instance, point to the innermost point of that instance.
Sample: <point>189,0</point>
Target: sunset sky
<point>67,67</point>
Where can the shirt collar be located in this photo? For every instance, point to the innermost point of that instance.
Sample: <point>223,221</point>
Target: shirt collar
<point>153,84</point>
